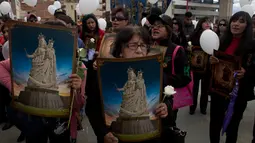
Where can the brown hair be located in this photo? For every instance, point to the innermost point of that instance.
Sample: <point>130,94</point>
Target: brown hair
<point>122,10</point>
<point>126,34</point>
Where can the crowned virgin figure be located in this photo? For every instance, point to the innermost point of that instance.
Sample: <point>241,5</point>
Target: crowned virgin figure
<point>43,66</point>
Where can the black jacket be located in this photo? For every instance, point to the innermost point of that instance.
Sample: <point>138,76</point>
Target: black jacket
<point>182,68</point>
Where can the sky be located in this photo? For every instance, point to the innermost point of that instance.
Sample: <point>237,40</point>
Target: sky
<point>114,75</point>
<point>27,37</point>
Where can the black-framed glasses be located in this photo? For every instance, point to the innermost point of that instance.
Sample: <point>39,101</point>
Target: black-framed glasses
<point>222,24</point>
<point>118,18</point>
<point>134,46</point>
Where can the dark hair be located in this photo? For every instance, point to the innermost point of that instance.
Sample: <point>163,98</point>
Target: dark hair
<point>66,19</point>
<point>253,16</point>
<point>246,38</point>
<point>85,28</point>
<point>126,34</point>
<point>181,30</point>
<point>188,14</point>
<point>122,10</point>
<point>225,21</point>
<point>195,36</point>
<point>56,23</point>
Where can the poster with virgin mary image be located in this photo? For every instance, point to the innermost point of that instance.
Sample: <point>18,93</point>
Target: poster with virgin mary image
<point>130,92</point>
<point>42,59</point>
<point>222,80</point>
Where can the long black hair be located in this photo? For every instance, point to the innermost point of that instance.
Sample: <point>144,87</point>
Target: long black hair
<point>218,29</point>
<point>85,28</point>
<point>195,36</point>
<point>126,34</point>
<point>181,31</point>
<point>246,38</point>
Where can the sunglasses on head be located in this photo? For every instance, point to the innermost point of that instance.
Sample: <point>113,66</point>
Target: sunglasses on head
<point>118,18</point>
<point>222,25</point>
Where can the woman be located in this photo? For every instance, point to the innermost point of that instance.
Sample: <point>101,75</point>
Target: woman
<point>130,42</point>
<point>178,36</point>
<point>120,19</point>
<point>161,33</point>
<point>222,27</point>
<point>204,76</point>
<point>38,129</point>
<point>90,29</point>
<point>237,41</point>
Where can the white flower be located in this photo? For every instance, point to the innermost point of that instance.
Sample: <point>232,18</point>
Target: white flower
<point>168,91</point>
<point>92,40</point>
<point>189,43</point>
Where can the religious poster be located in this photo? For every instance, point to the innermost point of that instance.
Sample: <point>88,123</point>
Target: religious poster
<point>130,91</point>
<point>223,81</point>
<point>42,59</point>
<point>199,60</point>
<point>106,47</point>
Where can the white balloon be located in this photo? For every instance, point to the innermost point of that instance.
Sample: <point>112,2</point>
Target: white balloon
<point>57,4</point>
<point>5,50</point>
<point>5,7</point>
<point>244,2</point>
<point>209,41</point>
<point>143,21</point>
<point>88,6</point>
<point>153,1</point>
<point>52,9</point>
<point>31,3</point>
<point>78,9</point>
<point>39,18</point>
<point>248,9</point>
<point>102,23</point>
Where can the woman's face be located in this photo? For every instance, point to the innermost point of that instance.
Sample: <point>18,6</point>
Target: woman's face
<point>135,48</point>
<point>159,31</point>
<point>91,24</point>
<point>119,21</point>
<point>5,32</point>
<point>222,26</point>
<point>237,27</point>
<point>175,26</point>
<point>206,25</point>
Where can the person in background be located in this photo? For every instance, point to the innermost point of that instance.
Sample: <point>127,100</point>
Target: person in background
<point>2,40</point>
<point>203,24</point>
<point>90,29</point>
<point>237,41</point>
<point>120,19</point>
<point>32,18</point>
<point>188,25</point>
<point>178,36</point>
<point>215,27</point>
<point>161,33</point>
<point>222,27</point>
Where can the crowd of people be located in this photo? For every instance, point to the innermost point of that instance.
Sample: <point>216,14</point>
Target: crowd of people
<point>132,41</point>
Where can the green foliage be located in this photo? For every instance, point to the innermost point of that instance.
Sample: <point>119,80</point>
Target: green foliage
<point>82,53</point>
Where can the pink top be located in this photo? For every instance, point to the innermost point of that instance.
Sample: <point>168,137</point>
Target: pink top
<point>5,79</point>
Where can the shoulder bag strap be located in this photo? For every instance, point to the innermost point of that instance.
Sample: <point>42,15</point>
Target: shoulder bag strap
<point>173,57</point>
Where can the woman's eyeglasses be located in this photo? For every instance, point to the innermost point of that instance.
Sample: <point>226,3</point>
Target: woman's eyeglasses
<point>118,18</point>
<point>222,25</point>
<point>134,46</point>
